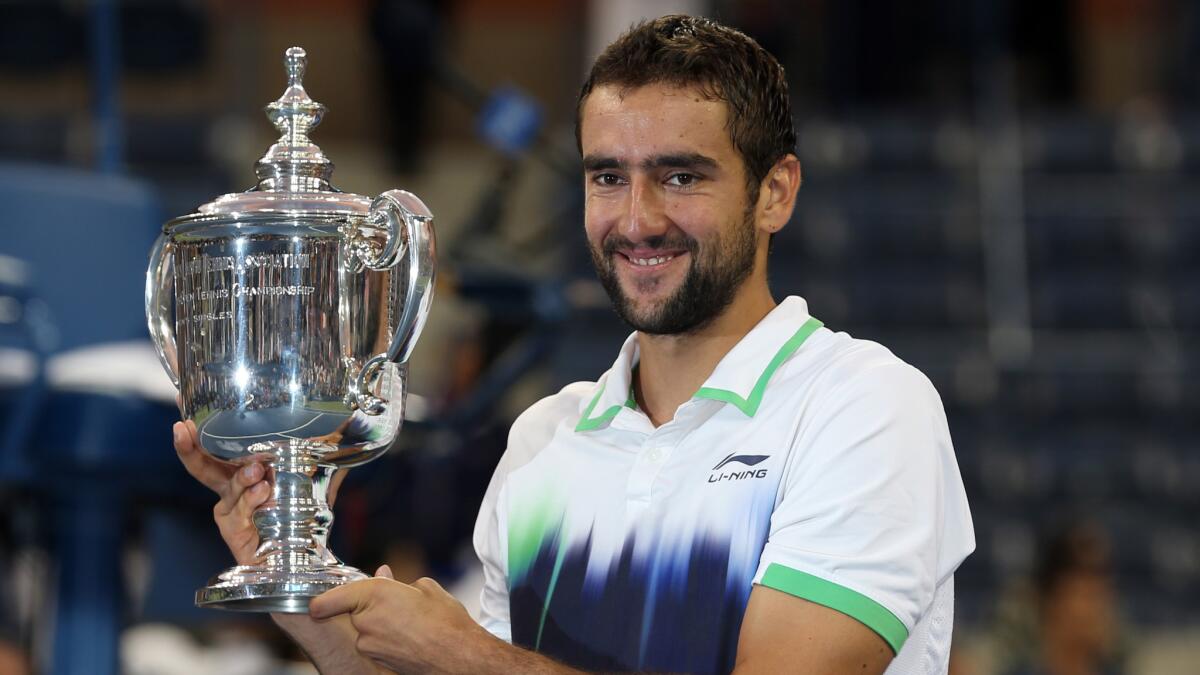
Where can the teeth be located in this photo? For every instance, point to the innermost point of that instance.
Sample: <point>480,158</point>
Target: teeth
<point>651,261</point>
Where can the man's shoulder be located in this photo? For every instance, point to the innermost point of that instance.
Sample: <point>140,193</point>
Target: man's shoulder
<point>550,410</point>
<point>534,427</point>
<point>841,363</point>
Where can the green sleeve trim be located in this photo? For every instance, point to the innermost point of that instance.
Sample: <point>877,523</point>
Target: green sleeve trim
<point>851,603</point>
<point>749,406</point>
<point>587,422</point>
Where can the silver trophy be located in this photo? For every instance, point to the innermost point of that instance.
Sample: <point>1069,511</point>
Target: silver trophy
<point>285,315</point>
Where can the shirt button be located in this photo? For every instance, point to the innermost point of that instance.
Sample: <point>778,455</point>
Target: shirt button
<point>654,455</point>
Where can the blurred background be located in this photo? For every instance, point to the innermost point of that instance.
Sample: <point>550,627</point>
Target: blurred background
<point>1002,192</point>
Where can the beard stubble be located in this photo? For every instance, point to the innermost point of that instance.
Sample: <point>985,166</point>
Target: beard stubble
<point>715,273</point>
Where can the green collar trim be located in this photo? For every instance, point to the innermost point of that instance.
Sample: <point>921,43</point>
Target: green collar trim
<point>587,422</point>
<point>749,405</point>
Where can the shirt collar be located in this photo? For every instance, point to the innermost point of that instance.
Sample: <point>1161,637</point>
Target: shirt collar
<point>739,379</point>
<point>614,391</point>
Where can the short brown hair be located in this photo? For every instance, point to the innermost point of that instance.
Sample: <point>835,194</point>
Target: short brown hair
<point>724,64</point>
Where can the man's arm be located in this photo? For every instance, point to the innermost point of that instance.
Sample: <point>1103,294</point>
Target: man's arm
<point>785,634</point>
<point>871,516</point>
<point>421,628</point>
<point>329,645</point>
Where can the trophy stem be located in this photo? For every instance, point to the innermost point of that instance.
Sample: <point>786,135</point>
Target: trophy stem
<point>293,525</point>
<point>293,563</point>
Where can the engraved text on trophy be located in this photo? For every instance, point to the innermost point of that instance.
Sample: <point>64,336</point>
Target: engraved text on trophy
<point>268,301</point>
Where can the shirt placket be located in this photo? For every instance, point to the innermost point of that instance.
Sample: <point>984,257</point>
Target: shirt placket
<point>656,449</point>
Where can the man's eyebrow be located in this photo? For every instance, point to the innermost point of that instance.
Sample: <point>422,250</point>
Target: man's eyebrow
<point>687,160</point>
<point>600,163</point>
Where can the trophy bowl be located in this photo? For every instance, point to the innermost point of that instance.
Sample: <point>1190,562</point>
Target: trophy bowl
<point>285,316</point>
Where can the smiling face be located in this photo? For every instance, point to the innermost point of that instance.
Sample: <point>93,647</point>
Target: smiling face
<point>669,224</point>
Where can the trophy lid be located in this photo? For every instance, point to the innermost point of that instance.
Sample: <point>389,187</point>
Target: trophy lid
<point>293,175</point>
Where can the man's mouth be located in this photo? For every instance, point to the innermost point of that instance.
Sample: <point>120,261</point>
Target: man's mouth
<point>647,259</point>
<point>654,260</point>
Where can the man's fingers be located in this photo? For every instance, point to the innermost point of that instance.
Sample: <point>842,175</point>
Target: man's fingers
<point>341,600</point>
<point>203,468</point>
<point>181,438</point>
<point>252,498</point>
<point>385,571</point>
<point>429,586</point>
<point>426,584</point>
<point>244,492</point>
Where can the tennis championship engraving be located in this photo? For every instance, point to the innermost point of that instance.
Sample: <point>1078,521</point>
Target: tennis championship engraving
<point>286,315</point>
<point>206,283</point>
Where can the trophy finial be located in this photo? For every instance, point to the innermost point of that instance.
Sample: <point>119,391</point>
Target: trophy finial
<point>295,59</point>
<point>294,163</point>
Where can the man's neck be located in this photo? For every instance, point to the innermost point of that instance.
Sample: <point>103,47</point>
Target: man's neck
<point>672,367</point>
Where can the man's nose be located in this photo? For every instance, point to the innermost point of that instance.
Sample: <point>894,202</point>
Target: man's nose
<point>646,215</point>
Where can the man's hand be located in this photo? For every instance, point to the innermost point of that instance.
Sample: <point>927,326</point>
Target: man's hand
<point>407,628</point>
<point>241,490</point>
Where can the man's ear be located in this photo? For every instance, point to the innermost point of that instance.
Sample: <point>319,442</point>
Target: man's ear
<point>777,194</point>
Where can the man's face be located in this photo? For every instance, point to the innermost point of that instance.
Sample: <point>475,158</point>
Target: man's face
<point>668,222</point>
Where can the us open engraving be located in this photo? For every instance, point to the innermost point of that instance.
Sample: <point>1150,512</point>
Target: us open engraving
<point>205,264</point>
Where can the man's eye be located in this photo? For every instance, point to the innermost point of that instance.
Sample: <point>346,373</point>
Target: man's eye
<point>682,179</point>
<point>607,179</point>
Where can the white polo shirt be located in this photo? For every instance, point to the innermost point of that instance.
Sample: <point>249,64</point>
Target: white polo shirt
<point>810,462</point>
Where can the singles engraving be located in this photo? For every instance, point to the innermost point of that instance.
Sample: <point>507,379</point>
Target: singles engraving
<point>207,317</point>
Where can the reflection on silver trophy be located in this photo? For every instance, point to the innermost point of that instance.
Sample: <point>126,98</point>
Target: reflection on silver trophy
<point>285,315</point>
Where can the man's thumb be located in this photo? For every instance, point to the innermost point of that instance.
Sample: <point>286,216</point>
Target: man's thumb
<point>385,572</point>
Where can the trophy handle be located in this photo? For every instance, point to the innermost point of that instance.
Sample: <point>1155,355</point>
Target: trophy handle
<point>409,227</point>
<point>158,305</point>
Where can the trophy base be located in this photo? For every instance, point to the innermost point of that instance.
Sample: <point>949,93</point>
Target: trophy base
<point>251,588</point>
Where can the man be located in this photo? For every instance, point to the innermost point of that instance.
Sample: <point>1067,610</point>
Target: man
<point>743,490</point>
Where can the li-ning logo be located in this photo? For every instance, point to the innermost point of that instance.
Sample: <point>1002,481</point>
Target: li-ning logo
<point>748,460</point>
